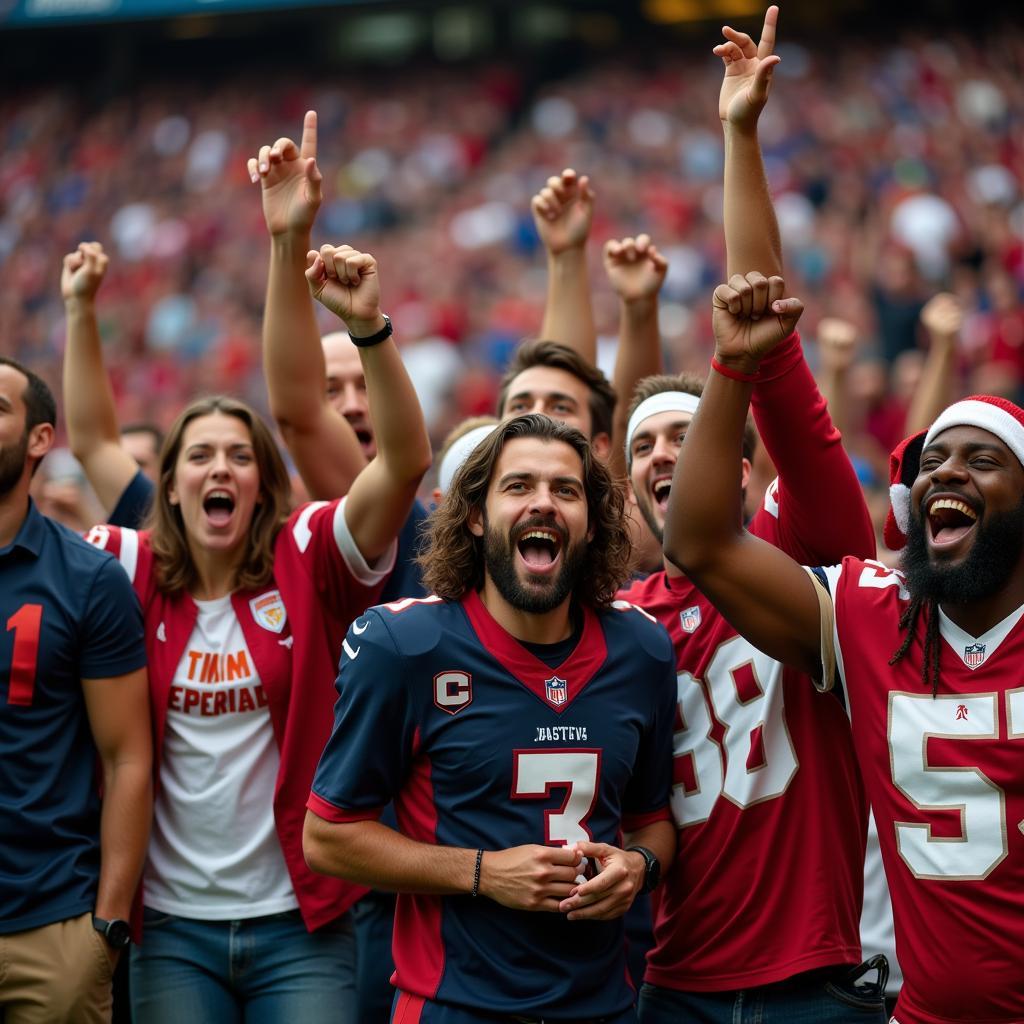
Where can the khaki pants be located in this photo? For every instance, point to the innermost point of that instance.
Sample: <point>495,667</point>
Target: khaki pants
<point>57,974</point>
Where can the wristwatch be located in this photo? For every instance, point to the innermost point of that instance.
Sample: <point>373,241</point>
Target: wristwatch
<point>652,872</point>
<point>118,933</point>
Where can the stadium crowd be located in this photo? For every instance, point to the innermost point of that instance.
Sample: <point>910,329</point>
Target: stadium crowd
<point>720,747</point>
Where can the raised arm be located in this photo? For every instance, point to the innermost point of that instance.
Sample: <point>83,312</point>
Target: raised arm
<point>942,318</point>
<point>636,272</point>
<point>563,211</point>
<point>93,433</point>
<point>766,595</point>
<point>837,346</point>
<point>380,498</point>
<point>751,231</point>
<point>322,443</point>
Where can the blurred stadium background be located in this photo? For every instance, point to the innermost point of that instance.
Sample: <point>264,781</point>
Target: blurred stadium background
<point>894,142</point>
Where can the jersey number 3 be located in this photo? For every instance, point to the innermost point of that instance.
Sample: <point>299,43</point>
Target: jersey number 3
<point>535,773</point>
<point>25,623</point>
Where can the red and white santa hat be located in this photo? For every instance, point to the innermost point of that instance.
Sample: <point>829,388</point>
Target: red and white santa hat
<point>996,415</point>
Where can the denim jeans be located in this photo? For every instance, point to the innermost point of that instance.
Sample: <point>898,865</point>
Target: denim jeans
<point>261,970</point>
<point>373,918</point>
<point>415,1010</point>
<point>826,999</point>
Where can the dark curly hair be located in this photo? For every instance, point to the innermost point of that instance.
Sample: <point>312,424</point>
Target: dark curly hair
<point>452,560</point>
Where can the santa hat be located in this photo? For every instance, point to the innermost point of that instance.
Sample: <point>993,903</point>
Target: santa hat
<point>996,415</point>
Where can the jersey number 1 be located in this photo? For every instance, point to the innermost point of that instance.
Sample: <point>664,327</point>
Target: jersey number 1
<point>25,622</point>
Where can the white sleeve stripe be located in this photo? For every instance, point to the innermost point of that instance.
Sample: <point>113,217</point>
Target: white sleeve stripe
<point>128,555</point>
<point>354,560</point>
<point>300,528</point>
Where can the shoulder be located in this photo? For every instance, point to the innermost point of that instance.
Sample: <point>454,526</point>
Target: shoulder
<point>627,623</point>
<point>121,543</point>
<point>411,627</point>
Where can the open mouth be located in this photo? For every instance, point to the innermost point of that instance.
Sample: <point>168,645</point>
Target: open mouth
<point>539,548</point>
<point>949,521</point>
<point>661,490</point>
<point>218,506</point>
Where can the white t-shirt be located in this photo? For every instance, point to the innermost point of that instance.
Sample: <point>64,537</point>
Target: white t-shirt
<point>214,852</point>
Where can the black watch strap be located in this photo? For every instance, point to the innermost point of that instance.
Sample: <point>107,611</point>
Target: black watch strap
<point>117,932</point>
<point>374,339</point>
<point>652,872</point>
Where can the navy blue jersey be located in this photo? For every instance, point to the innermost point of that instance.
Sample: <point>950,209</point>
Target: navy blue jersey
<point>68,613</point>
<point>404,580</point>
<point>134,504</point>
<point>480,744</point>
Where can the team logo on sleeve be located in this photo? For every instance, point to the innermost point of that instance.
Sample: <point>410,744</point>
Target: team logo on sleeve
<point>268,611</point>
<point>453,691</point>
<point>689,618</point>
<point>974,655</point>
<point>555,690</point>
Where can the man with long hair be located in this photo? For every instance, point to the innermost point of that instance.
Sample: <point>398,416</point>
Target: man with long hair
<point>928,661</point>
<point>521,721</point>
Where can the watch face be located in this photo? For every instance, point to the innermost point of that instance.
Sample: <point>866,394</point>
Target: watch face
<point>119,934</point>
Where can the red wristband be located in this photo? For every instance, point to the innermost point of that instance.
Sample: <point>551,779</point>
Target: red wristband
<point>726,371</point>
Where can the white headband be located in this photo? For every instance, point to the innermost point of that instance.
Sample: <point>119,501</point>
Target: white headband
<point>663,401</point>
<point>460,450</point>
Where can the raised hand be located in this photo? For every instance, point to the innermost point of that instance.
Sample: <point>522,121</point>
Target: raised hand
<point>290,181</point>
<point>83,271</point>
<point>748,72</point>
<point>837,343</point>
<point>563,210</point>
<point>346,282</point>
<point>750,317</point>
<point>943,315</point>
<point>635,268</point>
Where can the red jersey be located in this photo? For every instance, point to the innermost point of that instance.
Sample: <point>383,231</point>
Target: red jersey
<point>293,628</point>
<point>944,777</point>
<point>768,878</point>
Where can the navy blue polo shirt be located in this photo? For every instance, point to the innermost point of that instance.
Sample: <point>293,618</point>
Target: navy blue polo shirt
<point>67,613</point>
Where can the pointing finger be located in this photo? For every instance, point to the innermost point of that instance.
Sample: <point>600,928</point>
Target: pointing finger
<point>767,44</point>
<point>309,125</point>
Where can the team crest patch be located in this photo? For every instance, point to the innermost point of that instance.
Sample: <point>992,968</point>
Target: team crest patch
<point>689,618</point>
<point>555,690</point>
<point>974,655</point>
<point>268,611</point>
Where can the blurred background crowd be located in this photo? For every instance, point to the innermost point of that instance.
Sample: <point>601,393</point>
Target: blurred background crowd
<point>896,161</point>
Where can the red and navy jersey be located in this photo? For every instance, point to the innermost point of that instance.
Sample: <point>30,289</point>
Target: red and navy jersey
<point>944,774</point>
<point>768,877</point>
<point>482,745</point>
<point>68,613</point>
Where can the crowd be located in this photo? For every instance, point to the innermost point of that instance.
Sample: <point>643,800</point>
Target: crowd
<point>596,670</point>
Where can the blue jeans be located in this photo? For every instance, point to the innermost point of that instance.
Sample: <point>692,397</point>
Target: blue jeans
<point>373,918</point>
<point>825,999</point>
<point>262,970</point>
<point>414,1010</point>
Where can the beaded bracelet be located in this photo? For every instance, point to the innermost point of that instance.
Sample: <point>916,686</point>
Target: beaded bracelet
<point>476,873</point>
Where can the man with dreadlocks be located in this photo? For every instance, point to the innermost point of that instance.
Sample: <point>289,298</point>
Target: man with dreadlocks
<point>929,659</point>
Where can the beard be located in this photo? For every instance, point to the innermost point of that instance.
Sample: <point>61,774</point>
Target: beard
<point>644,503</point>
<point>12,465</point>
<point>987,568</point>
<point>548,592</point>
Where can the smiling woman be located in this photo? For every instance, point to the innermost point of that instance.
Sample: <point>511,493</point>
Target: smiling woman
<point>245,603</point>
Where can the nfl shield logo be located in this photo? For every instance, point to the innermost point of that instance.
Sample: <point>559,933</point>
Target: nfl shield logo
<point>690,618</point>
<point>974,655</point>
<point>268,611</point>
<point>555,690</point>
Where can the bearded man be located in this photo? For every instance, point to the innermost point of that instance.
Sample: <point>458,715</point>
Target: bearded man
<point>521,721</point>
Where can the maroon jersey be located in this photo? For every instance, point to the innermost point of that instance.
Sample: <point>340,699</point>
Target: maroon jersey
<point>945,779</point>
<point>768,878</point>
